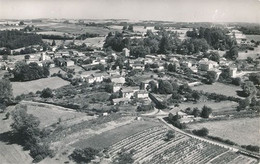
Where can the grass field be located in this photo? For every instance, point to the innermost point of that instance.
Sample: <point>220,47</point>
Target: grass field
<point>253,37</point>
<point>216,106</point>
<point>74,29</point>
<point>219,88</point>
<point>241,131</point>
<point>37,85</point>
<point>50,114</point>
<point>108,138</point>
<point>253,54</point>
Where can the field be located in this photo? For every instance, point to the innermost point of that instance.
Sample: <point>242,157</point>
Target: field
<point>73,29</point>
<point>104,140</point>
<point>37,85</point>
<point>253,54</point>
<point>50,114</point>
<point>219,88</point>
<point>241,131</point>
<point>150,147</point>
<point>253,37</point>
<point>216,106</point>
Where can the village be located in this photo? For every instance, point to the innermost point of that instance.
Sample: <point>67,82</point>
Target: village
<point>157,77</point>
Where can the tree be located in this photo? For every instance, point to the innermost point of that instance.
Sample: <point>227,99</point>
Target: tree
<point>46,93</point>
<point>243,104</point>
<point>236,81</point>
<point>255,78</point>
<point>196,95</point>
<point>206,111</point>
<point>25,125</point>
<point>165,87</point>
<point>196,112</point>
<point>53,43</point>
<point>201,132</point>
<point>124,27</point>
<point>169,135</point>
<point>6,91</point>
<point>84,155</point>
<point>164,45</point>
<point>101,67</point>
<point>232,54</point>
<point>211,77</point>
<point>249,88</point>
<point>124,157</point>
<point>153,86</point>
<point>5,57</point>
<point>131,28</point>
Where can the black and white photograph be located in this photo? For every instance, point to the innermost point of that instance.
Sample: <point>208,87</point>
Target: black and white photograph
<point>129,81</point>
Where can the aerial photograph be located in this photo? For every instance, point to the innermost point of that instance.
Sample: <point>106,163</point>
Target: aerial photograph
<point>130,81</point>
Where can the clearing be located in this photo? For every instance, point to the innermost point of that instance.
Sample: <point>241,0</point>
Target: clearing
<point>242,131</point>
<point>37,85</point>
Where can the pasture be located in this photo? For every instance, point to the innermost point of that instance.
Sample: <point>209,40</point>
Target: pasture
<point>219,88</point>
<point>37,85</point>
<point>241,131</point>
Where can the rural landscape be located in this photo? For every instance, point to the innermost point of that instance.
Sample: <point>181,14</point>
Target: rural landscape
<point>122,91</point>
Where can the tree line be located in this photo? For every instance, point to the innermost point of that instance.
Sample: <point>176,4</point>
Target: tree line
<point>13,39</point>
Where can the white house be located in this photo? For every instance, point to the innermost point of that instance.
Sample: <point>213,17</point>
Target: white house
<point>126,52</point>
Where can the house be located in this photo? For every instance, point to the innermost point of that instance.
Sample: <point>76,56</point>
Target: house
<point>206,65</point>
<point>187,63</point>
<point>126,52</point>
<point>233,71</point>
<point>113,72</point>
<point>117,87</point>
<point>128,92</point>
<point>94,78</point>
<point>63,62</point>
<point>45,57</point>
<point>139,67</point>
<point>69,63</point>
<point>118,80</point>
<point>122,100</point>
<point>142,94</point>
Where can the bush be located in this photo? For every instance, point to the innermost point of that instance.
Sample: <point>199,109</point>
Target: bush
<point>251,148</point>
<point>46,93</point>
<point>201,132</point>
<point>84,155</point>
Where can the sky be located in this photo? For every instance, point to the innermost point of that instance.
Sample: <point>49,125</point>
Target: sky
<point>169,10</point>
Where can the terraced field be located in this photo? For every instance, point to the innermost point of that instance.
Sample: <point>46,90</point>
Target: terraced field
<point>150,147</point>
